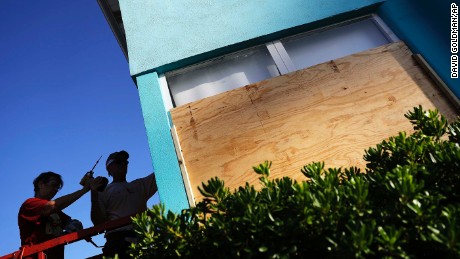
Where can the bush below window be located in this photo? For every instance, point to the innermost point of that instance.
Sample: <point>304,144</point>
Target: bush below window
<point>406,204</point>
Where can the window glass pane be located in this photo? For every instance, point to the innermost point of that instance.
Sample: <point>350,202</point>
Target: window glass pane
<point>220,75</point>
<point>323,46</point>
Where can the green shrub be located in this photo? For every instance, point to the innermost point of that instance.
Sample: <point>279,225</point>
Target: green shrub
<point>405,205</point>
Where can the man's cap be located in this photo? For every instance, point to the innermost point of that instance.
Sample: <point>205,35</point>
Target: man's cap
<point>120,155</point>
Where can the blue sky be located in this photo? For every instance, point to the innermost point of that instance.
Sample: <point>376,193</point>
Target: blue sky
<point>66,98</point>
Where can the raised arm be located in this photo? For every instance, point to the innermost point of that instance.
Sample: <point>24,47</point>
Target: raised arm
<point>64,201</point>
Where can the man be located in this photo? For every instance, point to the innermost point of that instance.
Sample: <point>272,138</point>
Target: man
<point>119,199</point>
<point>41,218</point>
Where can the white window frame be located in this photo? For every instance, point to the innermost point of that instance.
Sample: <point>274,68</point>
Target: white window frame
<point>277,52</point>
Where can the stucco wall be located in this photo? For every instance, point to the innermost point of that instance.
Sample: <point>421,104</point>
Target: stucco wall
<point>163,32</point>
<point>168,176</point>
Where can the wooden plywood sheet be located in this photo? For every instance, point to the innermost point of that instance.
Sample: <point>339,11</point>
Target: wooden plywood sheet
<point>331,112</point>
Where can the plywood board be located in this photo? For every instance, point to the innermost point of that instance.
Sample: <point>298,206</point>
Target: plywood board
<point>331,112</point>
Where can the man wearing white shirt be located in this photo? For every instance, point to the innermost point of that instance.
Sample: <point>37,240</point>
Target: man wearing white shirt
<point>119,199</point>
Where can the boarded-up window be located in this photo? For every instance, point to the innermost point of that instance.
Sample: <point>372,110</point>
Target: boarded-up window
<point>329,112</point>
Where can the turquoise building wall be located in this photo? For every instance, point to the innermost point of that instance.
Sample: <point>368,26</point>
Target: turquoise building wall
<point>162,36</point>
<point>425,27</point>
<point>163,32</point>
<point>156,119</point>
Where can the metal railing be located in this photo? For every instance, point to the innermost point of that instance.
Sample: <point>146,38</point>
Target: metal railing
<point>85,234</point>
